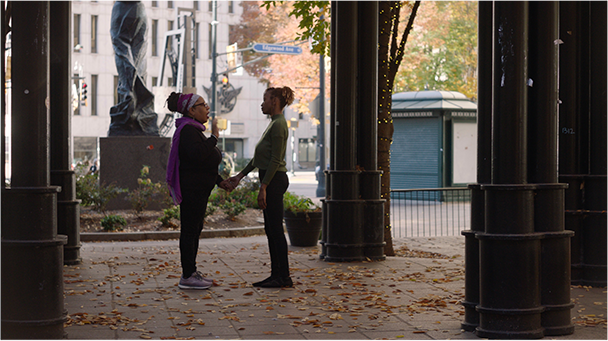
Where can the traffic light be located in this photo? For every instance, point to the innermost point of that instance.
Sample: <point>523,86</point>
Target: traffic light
<point>83,92</point>
<point>225,82</point>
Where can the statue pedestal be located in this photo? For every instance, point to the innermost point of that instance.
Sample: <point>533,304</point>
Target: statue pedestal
<point>122,158</point>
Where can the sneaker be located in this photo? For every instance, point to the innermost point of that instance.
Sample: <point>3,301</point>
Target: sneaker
<point>195,281</point>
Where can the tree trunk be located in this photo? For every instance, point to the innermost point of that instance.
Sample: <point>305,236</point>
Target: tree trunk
<point>385,121</point>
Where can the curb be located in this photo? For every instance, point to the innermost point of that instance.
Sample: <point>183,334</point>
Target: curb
<point>166,235</point>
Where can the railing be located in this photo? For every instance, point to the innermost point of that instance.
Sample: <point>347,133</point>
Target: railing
<point>430,212</point>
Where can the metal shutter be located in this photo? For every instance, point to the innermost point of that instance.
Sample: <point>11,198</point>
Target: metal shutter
<point>415,153</point>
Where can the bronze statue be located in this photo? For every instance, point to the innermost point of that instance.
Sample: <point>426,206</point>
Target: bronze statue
<point>134,114</point>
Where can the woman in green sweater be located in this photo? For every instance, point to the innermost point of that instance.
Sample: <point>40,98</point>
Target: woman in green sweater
<point>269,158</point>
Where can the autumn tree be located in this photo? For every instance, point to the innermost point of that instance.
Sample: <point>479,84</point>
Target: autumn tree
<point>272,23</point>
<point>442,49</point>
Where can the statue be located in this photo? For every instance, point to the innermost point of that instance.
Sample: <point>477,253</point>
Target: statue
<point>134,114</point>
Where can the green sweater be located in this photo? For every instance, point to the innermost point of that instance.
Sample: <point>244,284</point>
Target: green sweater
<point>270,151</point>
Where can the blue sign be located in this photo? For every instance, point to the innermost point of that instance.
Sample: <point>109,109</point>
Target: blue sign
<point>280,49</point>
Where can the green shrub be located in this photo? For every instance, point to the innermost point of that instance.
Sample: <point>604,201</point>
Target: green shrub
<point>298,203</point>
<point>141,196</point>
<point>113,222</point>
<point>232,209</point>
<point>91,193</point>
<point>210,210</point>
<point>217,196</point>
<point>168,214</point>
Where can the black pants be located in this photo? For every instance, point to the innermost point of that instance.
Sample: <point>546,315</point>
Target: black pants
<point>192,215</point>
<point>273,223</point>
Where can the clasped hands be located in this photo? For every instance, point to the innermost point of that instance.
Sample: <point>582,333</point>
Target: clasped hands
<point>230,184</point>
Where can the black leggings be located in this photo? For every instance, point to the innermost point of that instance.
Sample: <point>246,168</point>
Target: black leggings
<point>273,223</point>
<point>192,215</point>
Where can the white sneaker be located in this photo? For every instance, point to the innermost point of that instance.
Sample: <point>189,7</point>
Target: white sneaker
<point>195,281</point>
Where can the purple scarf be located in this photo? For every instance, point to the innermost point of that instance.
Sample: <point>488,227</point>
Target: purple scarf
<point>173,164</point>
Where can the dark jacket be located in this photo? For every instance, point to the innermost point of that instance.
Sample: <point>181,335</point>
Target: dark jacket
<point>199,159</point>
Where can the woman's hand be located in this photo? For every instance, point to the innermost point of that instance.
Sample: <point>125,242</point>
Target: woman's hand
<point>262,197</point>
<point>215,130</point>
<point>235,180</point>
<point>226,185</point>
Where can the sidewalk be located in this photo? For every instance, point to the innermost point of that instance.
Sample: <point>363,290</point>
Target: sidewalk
<point>128,290</point>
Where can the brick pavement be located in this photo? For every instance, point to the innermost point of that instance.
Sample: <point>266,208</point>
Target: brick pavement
<point>128,290</point>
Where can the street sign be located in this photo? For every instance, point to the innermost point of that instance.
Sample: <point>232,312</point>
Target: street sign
<point>280,49</point>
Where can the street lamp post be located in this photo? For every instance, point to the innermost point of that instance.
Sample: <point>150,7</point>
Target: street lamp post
<point>213,98</point>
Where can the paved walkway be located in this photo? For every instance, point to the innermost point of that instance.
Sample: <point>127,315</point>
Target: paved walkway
<point>128,290</point>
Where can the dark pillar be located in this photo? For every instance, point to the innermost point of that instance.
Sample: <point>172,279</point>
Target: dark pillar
<point>542,170</point>
<point>344,209</point>
<point>574,120</point>
<point>484,163</point>
<point>332,123</point>
<point>367,130</point>
<point>354,210</point>
<point>68,207</point>
<point>509,304</point>
<point>595,225</point>
<point>32,252</point>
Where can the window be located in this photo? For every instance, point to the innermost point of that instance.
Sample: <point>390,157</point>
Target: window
<point>93,34</point>
<point>93,94</point>
<point>230,6</point>
<point>155,37</point>
<point>210,41</point>
<point>115,90</point>
<point>170,28</point>
<point>197,34</point>
<point>307,150</point>
<point>169,4</point>
<point>154,81</point>
<point>210,6</point>
<point>154,3</point>
<point>76,32</point>
<point>196,6</point>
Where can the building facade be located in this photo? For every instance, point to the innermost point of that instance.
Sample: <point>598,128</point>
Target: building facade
<point>94,65</point>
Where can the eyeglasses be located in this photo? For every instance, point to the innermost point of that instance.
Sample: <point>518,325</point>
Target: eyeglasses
<point>196,105</point>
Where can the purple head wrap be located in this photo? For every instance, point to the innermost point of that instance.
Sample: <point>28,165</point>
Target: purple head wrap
<point>185,102</point>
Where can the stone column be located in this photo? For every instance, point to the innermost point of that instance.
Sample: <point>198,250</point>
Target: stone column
<point>32,252</point>
<point>484,163</point>
<point>344,209</point>
<point>68,207</point>
<point>509,305</point>
<point>596,184</point>
<point>542,170</point>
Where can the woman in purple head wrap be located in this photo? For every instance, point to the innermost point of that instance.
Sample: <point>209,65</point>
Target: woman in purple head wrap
<point>192,173</point>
